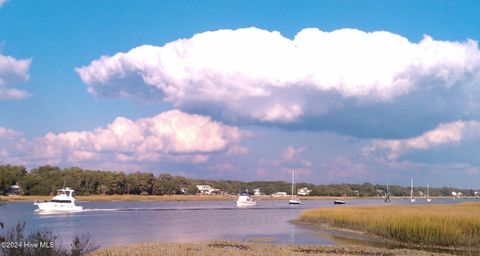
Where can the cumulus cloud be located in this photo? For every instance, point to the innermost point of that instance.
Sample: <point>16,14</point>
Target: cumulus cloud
<point>6,133</point>
<point>256,76</point>
<point>13,71</point>
<point>172,135</point>
<point>445,134</point>
<point>291,158</point>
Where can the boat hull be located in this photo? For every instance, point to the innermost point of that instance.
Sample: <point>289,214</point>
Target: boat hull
<point>293,202</point>
<point>57,207</point>
<point>246,204</point>
<point>338,202</point>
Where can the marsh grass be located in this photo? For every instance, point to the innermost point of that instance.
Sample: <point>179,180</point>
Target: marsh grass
<point>436,225</point>
<point>236,248</point>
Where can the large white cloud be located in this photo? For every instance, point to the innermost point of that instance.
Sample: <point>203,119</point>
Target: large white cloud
<point>445,134</point>
<point>172,135</point>
<point>252,75</point>
<point>13,71</point>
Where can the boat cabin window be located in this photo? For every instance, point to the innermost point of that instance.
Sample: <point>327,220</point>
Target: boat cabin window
<point>63,192</point>
<point>61,201</point>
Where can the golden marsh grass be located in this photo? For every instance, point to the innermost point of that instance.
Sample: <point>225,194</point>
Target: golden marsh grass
<point>436,225</point>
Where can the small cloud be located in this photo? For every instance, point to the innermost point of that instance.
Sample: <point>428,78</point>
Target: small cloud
<point>291,157</point>
<point>237,150</point>
<point>13,71</point>
<point>2,2</point>
<point>291,154</point>
<point>6,133</point>
<point>13,94</point>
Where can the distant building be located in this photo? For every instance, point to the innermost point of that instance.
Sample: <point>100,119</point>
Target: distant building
<point>14,190</point>
<point>380,192</point>
<point>457,194</point>
<point>207,190</point>
<point>257,192</point>
<point>304,191</point>
<point>279,194</point>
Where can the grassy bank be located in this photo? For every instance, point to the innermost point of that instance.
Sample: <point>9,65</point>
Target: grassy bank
<point>233,248</point>
<point>439,225</point>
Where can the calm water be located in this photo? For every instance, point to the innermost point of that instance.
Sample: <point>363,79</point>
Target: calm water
<point>111,223</point>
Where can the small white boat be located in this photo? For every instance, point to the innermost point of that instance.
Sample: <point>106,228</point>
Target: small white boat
<point>244,200</point>
<point>64,201</point>
<point>295,199</point>
<point>338,201</point>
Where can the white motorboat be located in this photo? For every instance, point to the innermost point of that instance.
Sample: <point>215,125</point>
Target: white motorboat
<point>295,199</point>
<point>64,201</point>
<point>244,200</point>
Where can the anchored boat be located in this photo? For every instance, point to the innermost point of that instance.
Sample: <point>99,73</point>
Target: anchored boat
<point>295,199</point>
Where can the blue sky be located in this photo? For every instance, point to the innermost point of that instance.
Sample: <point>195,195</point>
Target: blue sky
<point>330,132</point>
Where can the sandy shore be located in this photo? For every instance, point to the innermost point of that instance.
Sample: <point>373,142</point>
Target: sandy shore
<point>234,248</point>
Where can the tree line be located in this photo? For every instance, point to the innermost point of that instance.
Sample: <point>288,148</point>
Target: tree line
<point>45,180</point>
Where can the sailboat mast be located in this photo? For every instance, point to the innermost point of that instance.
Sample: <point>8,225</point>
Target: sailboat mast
<point>387,187</point>
<point>427,190</point>
<point>293,180</point>
<point>411,188</point>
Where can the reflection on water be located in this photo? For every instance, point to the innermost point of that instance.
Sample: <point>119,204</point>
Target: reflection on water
<point>111,223</point>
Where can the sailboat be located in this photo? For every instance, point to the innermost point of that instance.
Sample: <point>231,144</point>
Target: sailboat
<point>412,200</point>
<point>295,199</point>
<point>428,194</point>
<point>387,195</point>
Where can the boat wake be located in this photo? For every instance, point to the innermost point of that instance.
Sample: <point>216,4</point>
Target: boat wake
<point>183,209</point>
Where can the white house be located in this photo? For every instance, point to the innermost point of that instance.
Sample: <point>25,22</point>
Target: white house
<point>207,190</point>
<point>257,192</point>
<point>14,190</point>
<point>304,191</point>
<point>278,194</point>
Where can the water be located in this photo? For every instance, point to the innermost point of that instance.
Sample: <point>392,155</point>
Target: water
<point>114,223</point>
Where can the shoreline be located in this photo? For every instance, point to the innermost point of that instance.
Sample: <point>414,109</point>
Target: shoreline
<point>240,248</point>
<point>159,198</point>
